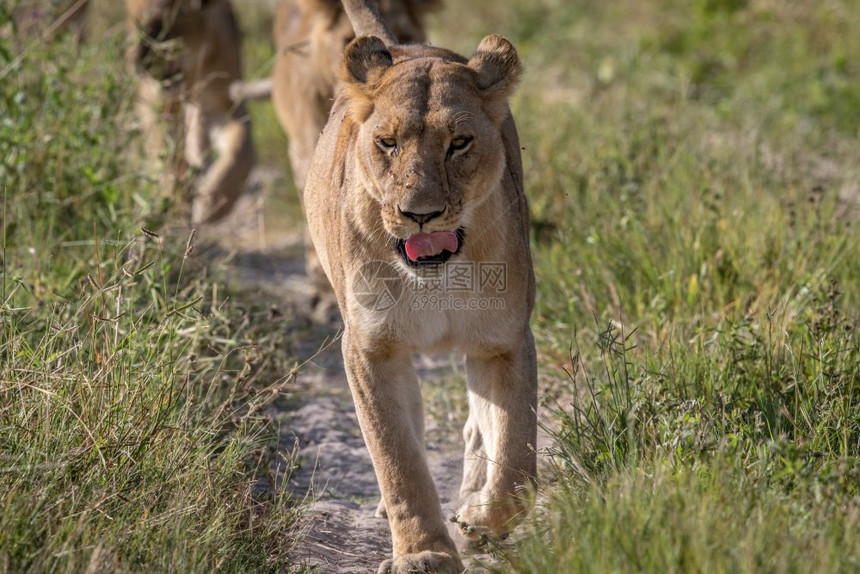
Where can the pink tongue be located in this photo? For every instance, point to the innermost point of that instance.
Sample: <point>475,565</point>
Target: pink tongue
<point>430,244</point>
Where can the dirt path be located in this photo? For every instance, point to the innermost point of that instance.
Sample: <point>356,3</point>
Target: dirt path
<point>342,533</point>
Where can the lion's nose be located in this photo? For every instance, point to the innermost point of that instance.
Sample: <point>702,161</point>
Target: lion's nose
<point>421,218</point>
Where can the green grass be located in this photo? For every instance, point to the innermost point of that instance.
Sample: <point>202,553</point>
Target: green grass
<point>691,168</point>
<point>133,388</point>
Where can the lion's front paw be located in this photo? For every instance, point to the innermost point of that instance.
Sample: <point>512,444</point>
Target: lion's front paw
<point>474,531</point>
<point>422,562</point>
<point>482,521</point>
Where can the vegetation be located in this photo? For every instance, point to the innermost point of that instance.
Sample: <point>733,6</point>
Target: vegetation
<point>693,175</point>
<point>133,389</point>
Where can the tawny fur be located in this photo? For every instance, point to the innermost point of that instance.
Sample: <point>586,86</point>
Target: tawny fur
<point>423,98</point>
<point>187,53</point>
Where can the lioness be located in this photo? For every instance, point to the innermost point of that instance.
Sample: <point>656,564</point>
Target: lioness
<point>417,178</point>
<point>188,55</point>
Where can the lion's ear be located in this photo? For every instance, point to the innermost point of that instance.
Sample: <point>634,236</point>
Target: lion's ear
<point>364,60</point>
<point>498,69</point>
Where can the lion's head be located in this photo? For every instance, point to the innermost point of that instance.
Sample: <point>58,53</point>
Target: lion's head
<point>427,128</point>
<point>171,31</point>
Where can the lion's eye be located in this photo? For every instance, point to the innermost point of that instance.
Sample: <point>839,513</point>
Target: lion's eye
<point>460,143</point>
<point>386,144</point>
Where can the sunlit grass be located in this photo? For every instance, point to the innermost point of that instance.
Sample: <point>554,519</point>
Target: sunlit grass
<point>133,389</point>
<point>691,167</point>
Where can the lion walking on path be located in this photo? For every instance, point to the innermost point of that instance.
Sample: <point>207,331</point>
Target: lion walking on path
<point>417,183</point>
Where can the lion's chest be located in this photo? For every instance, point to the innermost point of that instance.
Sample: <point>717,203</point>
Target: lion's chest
<point>434,315</point>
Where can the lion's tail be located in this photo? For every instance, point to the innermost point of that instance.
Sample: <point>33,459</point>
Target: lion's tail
<point>367,21</point>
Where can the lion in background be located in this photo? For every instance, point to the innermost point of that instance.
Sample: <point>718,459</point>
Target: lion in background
<point>418,171</point>
<point>187,54</point>
<point>310,36</point>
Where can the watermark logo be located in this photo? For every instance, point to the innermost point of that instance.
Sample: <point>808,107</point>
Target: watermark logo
<point>377,286</point>
<point>468,277</point>
<point>455,285</point>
